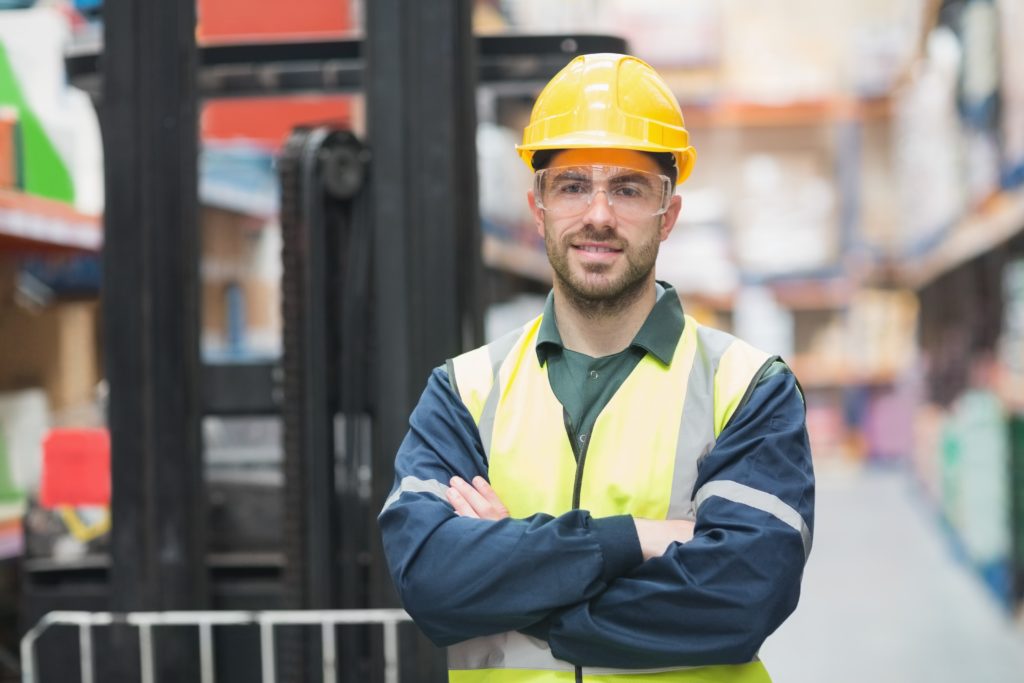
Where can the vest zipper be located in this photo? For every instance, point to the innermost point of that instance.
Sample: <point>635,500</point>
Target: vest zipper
<point>581,459</point>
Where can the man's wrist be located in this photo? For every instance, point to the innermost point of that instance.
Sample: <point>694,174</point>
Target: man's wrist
<point>657,535</point>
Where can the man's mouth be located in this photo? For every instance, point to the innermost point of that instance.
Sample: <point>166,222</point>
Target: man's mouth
<point>596,248</point>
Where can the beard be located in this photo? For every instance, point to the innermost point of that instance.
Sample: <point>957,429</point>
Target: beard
<point>594,289</point>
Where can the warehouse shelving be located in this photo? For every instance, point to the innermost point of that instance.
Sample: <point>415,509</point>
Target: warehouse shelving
<point>997,221</point>
<point>813,376</point>
<point>30,223</point>
<point>740,113</point>
<point>807,294</point>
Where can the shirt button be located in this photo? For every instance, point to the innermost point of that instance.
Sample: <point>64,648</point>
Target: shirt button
<point>594,374</point>
<point>583,438</point>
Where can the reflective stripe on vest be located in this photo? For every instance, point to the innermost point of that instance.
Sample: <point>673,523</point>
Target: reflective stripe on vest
<point>666,418</point>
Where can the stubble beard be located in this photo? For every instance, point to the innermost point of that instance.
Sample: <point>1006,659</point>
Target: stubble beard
<point>602,297</point>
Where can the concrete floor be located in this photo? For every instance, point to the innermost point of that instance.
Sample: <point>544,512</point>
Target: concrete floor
<point>885,600</point>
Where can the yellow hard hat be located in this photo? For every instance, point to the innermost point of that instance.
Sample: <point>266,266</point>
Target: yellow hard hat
<point>608,100</point>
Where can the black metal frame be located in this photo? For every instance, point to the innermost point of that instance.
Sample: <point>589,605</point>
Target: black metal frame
<point>338,66</point>
<point>421,89</point>
<point>151,322</point>
<point>322,173</point>
<point>242,388</point>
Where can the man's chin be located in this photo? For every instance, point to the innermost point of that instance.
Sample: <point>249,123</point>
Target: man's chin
<point>596,288</point>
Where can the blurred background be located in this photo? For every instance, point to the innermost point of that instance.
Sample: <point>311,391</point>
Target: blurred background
<point>235,237</point>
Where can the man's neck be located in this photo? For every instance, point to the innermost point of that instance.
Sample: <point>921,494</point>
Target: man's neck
<point>603,333</point>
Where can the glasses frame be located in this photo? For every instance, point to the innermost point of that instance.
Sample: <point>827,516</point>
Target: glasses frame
<point>538,179</point>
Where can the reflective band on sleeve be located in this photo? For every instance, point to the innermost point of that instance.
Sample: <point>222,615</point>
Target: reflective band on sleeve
<point>759,500</point>
<point>414,485</point>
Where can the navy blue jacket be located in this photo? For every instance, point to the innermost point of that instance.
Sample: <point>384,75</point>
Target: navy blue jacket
<point>580,582</point>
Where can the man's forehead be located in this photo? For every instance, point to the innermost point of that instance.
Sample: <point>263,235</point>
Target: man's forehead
<point>627,158</point>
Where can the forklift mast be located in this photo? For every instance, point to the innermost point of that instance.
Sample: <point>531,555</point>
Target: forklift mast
<point>326,409</point>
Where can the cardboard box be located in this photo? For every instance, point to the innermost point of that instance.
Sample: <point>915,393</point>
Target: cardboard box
<point>240,283</point>
<point>56,349</point>
<point>8,282</point>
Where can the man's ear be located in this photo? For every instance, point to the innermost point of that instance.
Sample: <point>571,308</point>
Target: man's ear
<point>536,212</point>
<point>668,219</point>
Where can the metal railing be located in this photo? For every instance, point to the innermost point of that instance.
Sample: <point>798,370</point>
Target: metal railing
<point>328,620</point>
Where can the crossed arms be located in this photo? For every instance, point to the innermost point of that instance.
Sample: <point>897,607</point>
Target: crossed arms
<point>479,501</point>
<point>606,591</point>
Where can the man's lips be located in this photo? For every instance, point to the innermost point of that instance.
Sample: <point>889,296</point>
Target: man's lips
<point>596,249</point>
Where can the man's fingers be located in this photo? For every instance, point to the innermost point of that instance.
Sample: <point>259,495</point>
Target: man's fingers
<point>480,497</point>
<point>481,485</point>
<point>479,504</point>
<point>462,508</point>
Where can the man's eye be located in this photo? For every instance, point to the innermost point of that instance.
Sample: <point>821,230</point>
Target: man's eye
<point>571,188</point>
<point>629,191</point>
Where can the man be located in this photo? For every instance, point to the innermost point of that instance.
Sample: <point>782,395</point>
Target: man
<point>613,489</point>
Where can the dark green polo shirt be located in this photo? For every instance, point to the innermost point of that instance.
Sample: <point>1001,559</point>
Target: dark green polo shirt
<point>584,385</point>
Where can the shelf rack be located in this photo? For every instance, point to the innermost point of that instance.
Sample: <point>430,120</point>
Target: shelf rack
<point>31,223</point>
<point>996,222</point>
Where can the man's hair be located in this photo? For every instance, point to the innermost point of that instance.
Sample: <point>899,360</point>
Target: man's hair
<point>665,160</point>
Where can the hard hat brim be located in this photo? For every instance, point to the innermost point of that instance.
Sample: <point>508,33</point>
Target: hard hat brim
<point>685,157</point>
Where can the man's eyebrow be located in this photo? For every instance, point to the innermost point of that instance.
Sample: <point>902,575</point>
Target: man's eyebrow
<point>571,174</point>
<point>632,177</point>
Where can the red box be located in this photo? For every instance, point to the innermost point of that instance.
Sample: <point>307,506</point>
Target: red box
<point>236,20</point>
<point>76,468</point>
<point>269,120</point>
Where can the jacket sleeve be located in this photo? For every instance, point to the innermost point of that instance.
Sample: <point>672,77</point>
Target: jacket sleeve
<point>712,600</point>
<point>461,578</point>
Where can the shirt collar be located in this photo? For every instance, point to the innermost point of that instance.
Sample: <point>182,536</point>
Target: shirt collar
<point>658,336</point>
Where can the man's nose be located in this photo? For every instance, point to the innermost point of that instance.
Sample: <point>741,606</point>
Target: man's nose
<point>600,212</point>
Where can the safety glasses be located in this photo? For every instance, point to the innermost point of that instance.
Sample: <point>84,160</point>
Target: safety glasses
<point>568,191</point>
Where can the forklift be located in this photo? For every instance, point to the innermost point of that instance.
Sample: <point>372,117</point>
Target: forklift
<point>382,280</point>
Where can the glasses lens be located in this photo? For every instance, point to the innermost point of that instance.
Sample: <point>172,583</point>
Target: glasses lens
<point>632,194</point>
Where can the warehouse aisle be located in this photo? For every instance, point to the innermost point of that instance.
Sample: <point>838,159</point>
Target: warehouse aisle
<point>884,599</point>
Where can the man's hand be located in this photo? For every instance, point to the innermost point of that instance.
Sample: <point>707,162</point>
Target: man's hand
<point>657,535</point>
<point>478,501</point>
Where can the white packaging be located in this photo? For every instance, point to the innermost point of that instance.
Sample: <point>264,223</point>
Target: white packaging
<point>785,220</point>
<point>928,150</point>
<point>668,33</point>
<point>758,319</point>
<point>697,256</point>
<point>24,421</point>
<point>34,41</point>
<point>1011,25</point>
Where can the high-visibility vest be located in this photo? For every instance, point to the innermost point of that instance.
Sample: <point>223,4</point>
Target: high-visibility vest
<point>664,417</point>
